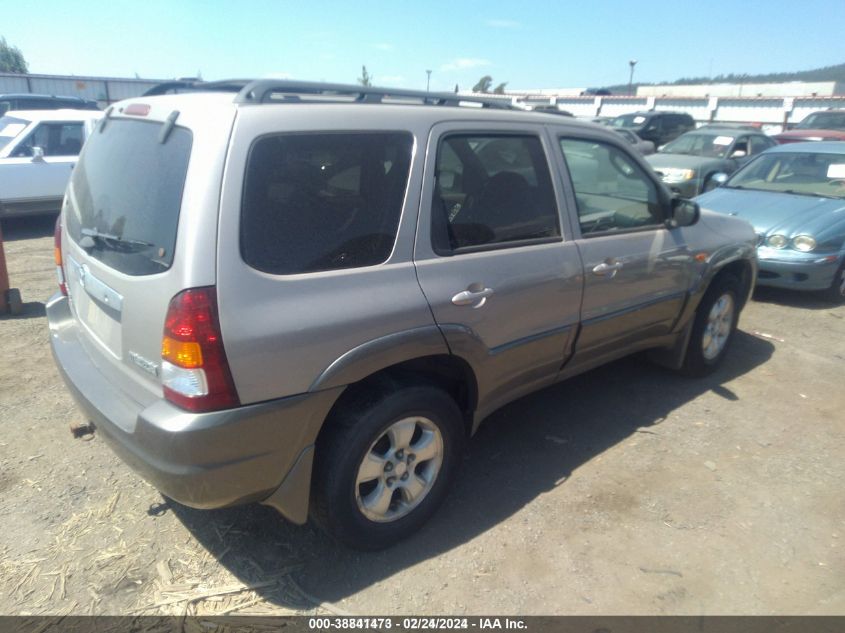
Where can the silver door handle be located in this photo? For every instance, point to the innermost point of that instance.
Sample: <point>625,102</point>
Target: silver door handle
<point>605,268</point>
<point>467,297</point>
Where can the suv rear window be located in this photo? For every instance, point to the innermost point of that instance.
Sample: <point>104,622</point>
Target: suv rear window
<point>126,192</point>
<point>327,201</point>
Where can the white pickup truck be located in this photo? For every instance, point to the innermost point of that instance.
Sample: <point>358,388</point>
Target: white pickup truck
<point>38,150</point>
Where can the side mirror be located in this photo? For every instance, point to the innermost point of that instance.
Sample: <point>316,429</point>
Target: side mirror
<point>37,154</point>
<point>739,153</point>
<point>682,212</point>
<point>716,180</point>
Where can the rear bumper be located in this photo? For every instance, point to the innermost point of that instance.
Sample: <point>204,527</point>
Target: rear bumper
<point>206,460</point>
<point>802,272</point>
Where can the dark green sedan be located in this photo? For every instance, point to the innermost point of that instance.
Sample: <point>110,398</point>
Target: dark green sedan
<point>688,163</point>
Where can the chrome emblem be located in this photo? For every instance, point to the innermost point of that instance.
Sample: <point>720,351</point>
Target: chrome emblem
<point>147,365</point>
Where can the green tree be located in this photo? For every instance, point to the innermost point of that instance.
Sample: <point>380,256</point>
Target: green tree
<point>500,89</point>
<point>483,84</point>
<point>365,79</point>
<point>11,58</point>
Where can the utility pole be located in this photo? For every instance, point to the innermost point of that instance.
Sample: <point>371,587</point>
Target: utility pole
<point>427,80</point>
<point>631,63</point>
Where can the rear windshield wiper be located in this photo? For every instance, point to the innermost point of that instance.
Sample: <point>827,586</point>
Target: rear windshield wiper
<point>112,242</point>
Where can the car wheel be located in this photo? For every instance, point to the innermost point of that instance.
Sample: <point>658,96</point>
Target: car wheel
<point>385,464</point>
<point>713,327</point>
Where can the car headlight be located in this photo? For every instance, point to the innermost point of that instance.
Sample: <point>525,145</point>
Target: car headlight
<point>777,241</point>
<point>675,174</point>
<point>804,243</point>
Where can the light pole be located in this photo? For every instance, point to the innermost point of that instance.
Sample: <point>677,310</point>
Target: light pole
<point>427,80</point>
<point>631,63</point>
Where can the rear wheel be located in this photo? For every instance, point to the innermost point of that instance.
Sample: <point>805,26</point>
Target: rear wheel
<point>385,464</point>
<point>836,292</point>
<point>714,326</point>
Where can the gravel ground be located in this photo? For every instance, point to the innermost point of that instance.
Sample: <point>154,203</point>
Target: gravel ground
<point>627,490</point>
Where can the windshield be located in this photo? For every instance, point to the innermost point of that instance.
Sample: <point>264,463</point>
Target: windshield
<point>699,145</point>
<point>823,121</point>
<point>10,128</point>
<point>125,195</point>
<point>808,173</point>
<point>629,120</point>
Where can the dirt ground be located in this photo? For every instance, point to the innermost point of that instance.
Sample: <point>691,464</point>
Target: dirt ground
<point>627,490</point>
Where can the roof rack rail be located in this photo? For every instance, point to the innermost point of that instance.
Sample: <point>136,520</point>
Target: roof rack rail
<point>281,91</point>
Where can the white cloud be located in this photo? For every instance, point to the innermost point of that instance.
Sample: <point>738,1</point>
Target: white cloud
<point>383,46</point>
<point>462,63</point>
<point>503,24</point>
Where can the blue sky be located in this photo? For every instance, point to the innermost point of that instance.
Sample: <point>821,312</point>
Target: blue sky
<point>527,44</point>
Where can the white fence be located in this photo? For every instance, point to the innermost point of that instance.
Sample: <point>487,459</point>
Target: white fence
<point>771,114</point>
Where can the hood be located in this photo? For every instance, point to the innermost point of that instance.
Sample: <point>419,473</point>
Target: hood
<point>683,161</point>
<point>815,134</point>
<point>784,213</point>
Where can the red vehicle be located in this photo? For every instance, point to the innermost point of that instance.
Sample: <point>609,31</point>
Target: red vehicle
<point>828,125</point>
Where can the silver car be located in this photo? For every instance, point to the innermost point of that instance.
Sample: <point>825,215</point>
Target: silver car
<point>311,295</point>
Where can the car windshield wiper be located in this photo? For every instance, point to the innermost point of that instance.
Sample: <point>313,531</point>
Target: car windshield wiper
<point>112,242</point>
<point>812,194</point>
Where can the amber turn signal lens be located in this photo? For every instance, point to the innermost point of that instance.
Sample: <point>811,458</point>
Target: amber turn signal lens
<point>187,354</point>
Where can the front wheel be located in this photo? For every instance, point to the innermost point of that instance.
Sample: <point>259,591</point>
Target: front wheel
<point>714,327</point>
<point>385,464</point>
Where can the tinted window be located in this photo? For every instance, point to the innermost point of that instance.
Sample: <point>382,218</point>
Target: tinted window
<point>491,190</point>
<point>760,143</point>
<point>323,201</point>
<point>127,188</point>
<point>611,190</point>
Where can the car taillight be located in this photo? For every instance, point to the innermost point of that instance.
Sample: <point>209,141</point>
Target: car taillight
<point>57,255</point>
<point>194,371</point>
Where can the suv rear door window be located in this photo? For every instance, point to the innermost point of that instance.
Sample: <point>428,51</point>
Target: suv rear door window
<point>492,190</point>
<point>126,192</point>
<point>328,201</point>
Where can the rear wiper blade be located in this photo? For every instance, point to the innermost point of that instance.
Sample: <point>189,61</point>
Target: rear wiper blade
<point>114,242</point>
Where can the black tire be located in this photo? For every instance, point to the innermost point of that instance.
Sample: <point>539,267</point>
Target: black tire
<point>697,362</point>
<point>348,440</point>
<point>836,293</point>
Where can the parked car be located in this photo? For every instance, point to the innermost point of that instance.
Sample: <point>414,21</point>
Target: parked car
<point>794,195</point>
<point>688,163</point>
<point>28,101</point>
<point>643,147</point>
<point>551,109</point>
<point>827,125</point>
<point>38,149</point>
<point>659,127</point>
<point>304,295</point>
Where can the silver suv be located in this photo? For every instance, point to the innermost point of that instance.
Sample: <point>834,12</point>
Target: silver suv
<point>310,295</point>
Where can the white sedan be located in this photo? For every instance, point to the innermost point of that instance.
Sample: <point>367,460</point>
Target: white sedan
<point>38,150</point>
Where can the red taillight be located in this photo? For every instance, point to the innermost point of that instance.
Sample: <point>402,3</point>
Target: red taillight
<point>57,255</point>
<point>195,372</point>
